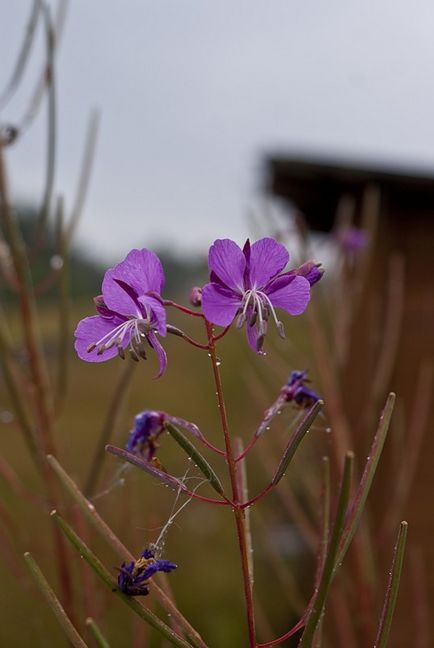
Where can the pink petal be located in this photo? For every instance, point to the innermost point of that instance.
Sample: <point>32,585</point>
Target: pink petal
<point>142,271</point>
<point>219,305</point>
<point>161,354</point>
<point>267,258</point>
<point>292,298</point>
<point>92,329</point>
<point>159,312</point>
<point>227,261</point>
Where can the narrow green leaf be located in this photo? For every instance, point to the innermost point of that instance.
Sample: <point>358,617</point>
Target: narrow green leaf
<point>317,607</point>
<point>169,480</point>
<point>382,638</point>
<point>54,603</point>
<point>196,456</point>
<point>358,503</point>
<point>107,578</point>
<point>295,440</point>
<point>111,538</point>
<point>100,640</point>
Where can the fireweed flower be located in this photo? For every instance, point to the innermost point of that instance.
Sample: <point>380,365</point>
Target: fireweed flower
<point>247,284</point>
<point>133,578</point>
<point>296,390</point>
<point>352,240</point>
<point>129,312</point>
<point>143,437</point>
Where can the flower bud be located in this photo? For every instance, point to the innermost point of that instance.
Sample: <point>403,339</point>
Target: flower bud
<point>195,297</point>
<point>311,271</point>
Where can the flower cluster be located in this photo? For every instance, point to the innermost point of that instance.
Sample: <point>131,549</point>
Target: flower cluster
<point>246,286</point>
<point>148,426</point>
<point>133,578</point>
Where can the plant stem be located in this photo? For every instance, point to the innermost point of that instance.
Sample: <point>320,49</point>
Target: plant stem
<point>54,603</point>
<point>106,577</point>
<point>382,638</point>
<point>239,513</point>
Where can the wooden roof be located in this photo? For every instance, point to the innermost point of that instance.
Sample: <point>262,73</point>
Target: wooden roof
<point>315,185</point>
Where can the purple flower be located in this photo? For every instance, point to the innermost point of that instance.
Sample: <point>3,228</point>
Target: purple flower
<point>143,437</point>
<point>247,283</point>
<point>296,390</point>
<point>130,312</point>
<point>311,271</point>
<point>352,239</point>
<point>133,579</point>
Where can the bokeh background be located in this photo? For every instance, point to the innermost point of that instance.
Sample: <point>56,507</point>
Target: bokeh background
<point>198,107</point>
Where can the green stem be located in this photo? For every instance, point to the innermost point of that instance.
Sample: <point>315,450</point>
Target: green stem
<point>239,513</point>
<point>382,638</point>
<point>106,577</point>
<point>330,562</point>
<point>54,603</point>
<point>119,548</point>
<point>100,640</point>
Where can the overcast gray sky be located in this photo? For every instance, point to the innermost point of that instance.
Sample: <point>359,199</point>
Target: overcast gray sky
<point>193,93</point>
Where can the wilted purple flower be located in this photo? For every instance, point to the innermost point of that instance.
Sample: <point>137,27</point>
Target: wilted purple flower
<point>130,312</point>
<point>247,283</point>
<point>311,271</point>
<point>296,390</point>
<point>352,239</point>
<point>134,576</point>
<point>147,428</point>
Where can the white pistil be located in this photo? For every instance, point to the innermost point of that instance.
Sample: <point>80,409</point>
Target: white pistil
<point>261,303</point>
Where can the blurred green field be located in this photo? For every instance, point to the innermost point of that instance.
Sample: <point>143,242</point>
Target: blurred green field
<point>207,583</point>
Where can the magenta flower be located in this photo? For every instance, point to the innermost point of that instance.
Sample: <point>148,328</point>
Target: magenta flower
<point>130,312</point>
<point>246,283</point>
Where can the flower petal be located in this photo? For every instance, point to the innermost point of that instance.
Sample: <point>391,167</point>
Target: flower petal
<point>292,298</point>
<point>161,354</point>
<point>267,258</point>
<point>227,261</point>
<point>158,312</point>
<point>252,337</point>
<point>142,271</point>
<point>219,305</point>
<point>92,329</point>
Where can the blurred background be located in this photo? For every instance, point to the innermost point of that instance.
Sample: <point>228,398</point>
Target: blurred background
<point>233,119</point>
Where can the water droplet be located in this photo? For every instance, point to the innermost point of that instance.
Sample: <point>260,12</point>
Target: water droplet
<point>56,262</point>
<point>6,416</point>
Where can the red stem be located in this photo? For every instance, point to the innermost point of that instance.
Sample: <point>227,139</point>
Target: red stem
<point>298,626</point>
<point>247,449</point>
<point>183,309</point>
<point>237,505</point>
<point>257,497</point>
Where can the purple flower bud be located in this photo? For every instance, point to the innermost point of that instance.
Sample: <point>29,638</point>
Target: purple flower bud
<point>195,297</point>
<point>133,579</point>
<point>148,426</point>
<point>311,271</point>
<point>352,239</point>
<point>297,391</point>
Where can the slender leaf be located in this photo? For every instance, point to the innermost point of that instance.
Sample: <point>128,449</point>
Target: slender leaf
<point>196,456</point>
<point>359,500</point>
<point>168,480</point>
<point>295,440</point>
<point>315,612</point>
<point>54,603</point>
<point>111,538</point>
<point>392,588</point>
<point>100,640</point>
<point>107,578</point>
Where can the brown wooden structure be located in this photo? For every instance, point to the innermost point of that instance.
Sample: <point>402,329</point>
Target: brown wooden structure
<point>405,230</point>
